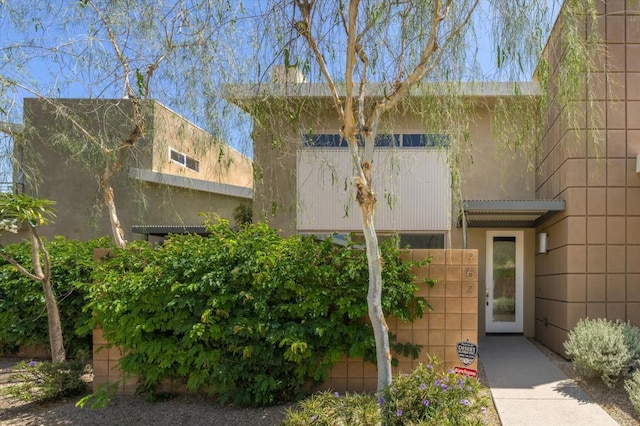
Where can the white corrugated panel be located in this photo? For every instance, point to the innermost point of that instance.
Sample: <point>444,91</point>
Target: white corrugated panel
<point>412,186</point>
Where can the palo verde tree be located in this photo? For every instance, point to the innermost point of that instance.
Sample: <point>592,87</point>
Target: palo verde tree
<point>18,211</point>
<point>135,51</point>
<point>373,56</point>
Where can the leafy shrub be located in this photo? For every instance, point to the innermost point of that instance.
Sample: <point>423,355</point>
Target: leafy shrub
<point>46,381</point>
<point>426,396</point>
<point>23,318</point>
<point>603,348</point>
<point>632,386</point>
<point>246,314</point>
<point>429,396</point>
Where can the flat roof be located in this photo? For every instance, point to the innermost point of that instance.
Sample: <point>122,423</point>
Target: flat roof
<point>510,213</point>
<point>243,92</point>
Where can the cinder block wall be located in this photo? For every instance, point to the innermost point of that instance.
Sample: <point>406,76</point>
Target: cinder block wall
<point>592,268</point>
<point>454,318</point>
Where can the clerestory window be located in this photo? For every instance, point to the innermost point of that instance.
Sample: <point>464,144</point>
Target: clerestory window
<point>184,160</point>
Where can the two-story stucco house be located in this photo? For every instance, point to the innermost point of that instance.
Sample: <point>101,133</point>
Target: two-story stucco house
<point>557,242</point>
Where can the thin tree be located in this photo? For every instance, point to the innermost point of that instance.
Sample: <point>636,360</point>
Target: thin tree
<point>18,211</point>
<point>372,54</point>
<point>129,50</point>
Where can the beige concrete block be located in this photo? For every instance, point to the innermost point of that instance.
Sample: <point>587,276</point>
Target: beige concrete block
<point>470,273</point>
<point>596,229</point>
<point>616,115</point>
<point>596,259</point>
<point>633,314</point>
<point>616,57</point>
<point>454,257</point>
<point>633,287</point>
<point>469,305</point>
<point>597,173</point>
<point>453,305</point>
<point>436,321</point>
<point>633,259</point>
<point>470,289</point>
<point>616,311</point>
<point>616,288</point>
<point>616,230</point>
<point>453,321</point>
<point>633,57</point>
<point>633,91</point>
<point>596,310</point>
<point>616,201</point>
<point>453,289</point>
<point>596,288</point>
<point>596,201</point>
<point>454,273</point>
<point>633,202</point>
<point>437,257</point>
<point>616,172</point>
<point>616,259</point>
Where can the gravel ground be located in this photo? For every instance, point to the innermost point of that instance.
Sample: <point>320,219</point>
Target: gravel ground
<point>130,410</point>
<point>135,410</point>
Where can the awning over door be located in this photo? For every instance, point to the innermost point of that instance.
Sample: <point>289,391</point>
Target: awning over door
<point>509,213</point>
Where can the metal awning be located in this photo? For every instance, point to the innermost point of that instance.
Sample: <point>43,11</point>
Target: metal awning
<point>509,213</point>
<point>164,230</point>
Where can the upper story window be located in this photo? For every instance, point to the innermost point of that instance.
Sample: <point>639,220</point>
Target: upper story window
<point>184,160</point>
<point>401,140</point>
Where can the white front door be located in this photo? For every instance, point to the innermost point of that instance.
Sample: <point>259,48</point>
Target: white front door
<point>504,282</point>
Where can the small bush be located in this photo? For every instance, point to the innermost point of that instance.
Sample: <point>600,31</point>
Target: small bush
<point>632,386</point>
<point>427,396</point>
<point>45,381</point>
<point>329,408</point>
<point>603,348</point>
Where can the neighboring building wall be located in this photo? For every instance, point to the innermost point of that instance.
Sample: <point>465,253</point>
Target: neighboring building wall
<point>80,209</point>
<point>592,268</point>
<point>454,318</point>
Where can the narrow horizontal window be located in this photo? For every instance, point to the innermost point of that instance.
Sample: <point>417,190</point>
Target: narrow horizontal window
<point>184,160</point>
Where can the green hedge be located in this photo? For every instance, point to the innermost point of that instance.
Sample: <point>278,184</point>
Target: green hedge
<point>247,315</point>
<point>23,317</point>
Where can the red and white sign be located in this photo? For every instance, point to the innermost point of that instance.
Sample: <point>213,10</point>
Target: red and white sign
<point>466,371</point>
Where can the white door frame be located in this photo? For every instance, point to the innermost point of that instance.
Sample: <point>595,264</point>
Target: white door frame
<point>516,326</point>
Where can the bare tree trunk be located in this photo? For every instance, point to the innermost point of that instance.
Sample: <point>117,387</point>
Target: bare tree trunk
<point>116,227</point>
<point>43,274</point>
<point>374,304</point>
<point>56,341</point>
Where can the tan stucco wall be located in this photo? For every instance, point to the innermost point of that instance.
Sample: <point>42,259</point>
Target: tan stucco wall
<point>80,211</point>
<point>218,161</point>
<point>494,173</point>
<point>592,266</point>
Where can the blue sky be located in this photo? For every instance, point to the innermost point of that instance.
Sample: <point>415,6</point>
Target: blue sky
<point>44,74</point>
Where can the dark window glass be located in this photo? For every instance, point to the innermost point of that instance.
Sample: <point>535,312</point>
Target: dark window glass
<point>177,157</point>
<point>422,241</point>
<point>387,140</point>
<point>193,164</point>
<point>425,141</point>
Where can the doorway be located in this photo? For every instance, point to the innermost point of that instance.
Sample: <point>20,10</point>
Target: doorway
<point>504,282</point>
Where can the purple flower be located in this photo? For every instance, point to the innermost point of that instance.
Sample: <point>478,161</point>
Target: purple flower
<point>381,401</point>
<point>33,363</point>
<point>426,403</point>
<point>423,386</point>
<point>465,402</point>
<point>444,387</point>
<point>399,413</point>
<point>438,382</point>
<point>314,418</point>
<point>336,394</point>
<point>452,371</point>
<point>430,366</point>
<point>483,409</point>
<point>469,388</point>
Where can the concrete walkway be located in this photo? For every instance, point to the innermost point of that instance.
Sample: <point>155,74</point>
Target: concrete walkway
<point>528,388</point>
